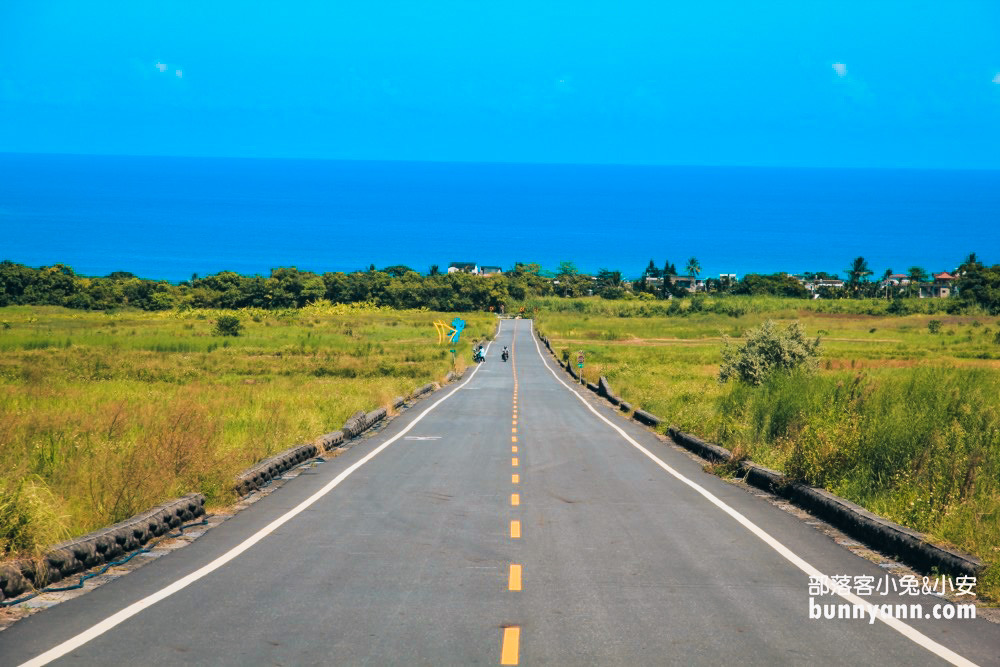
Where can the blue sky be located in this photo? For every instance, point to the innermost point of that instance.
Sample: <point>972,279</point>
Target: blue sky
<point>846,83</point>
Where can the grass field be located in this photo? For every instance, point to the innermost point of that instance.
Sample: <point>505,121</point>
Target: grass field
<point>900,419</point>
<point>104,415</point>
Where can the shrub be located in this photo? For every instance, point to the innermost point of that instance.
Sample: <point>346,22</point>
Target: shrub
<point>768,349</point>
<point>228,325</point>
<point>934,326</point>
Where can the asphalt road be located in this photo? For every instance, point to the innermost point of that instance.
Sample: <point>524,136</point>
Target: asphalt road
<point>436,542</point>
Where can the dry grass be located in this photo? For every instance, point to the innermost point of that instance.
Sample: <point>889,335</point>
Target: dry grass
<point>901,420</point>
<point>104,415</point>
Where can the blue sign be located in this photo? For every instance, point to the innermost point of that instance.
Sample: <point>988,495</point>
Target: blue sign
<point>458,325</point>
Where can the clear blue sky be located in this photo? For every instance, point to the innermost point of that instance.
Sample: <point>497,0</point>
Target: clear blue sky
<point>846,83</point>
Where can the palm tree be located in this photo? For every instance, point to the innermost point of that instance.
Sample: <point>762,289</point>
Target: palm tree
<point>916,275</point>
<point>971,261</point>
<point>693,267</point>
<point>435,270</point>
<point>858,271</point>
<point>885,281</point>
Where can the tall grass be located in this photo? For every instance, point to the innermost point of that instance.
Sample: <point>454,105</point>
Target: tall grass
<point>901,420</point>
<point>141,407</point>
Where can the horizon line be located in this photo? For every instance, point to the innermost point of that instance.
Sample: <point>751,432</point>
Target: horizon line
<point>677,165</point>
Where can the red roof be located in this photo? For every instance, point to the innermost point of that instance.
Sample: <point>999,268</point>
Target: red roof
<point>944,275</point>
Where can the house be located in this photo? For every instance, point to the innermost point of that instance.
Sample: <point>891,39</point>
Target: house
<point>490,271</point>
<point>942,287</point>
<point>463,267</point>
<point>898,279</point>
<point>690,283</point>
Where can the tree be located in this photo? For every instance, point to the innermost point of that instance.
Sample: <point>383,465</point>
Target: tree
<point>567,269</point>
<point>435,270</point>
<point>971,262</point>
<point>858,272</point>
<point>778,284</point>
<point>885,281</point>
<point>980,285</point>
<point>651,271</point>
<point>607,278</point>
<point>397,270</point>
<point>916,275</point>
<point>693,267</point>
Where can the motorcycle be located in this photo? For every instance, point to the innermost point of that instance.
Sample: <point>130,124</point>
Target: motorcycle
<point>477,355</point>
<point>503,355</point>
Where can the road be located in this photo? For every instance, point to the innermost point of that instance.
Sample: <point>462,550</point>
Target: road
<point>506,520</point>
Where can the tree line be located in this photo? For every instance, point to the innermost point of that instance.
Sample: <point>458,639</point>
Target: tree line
<point>401,287</point>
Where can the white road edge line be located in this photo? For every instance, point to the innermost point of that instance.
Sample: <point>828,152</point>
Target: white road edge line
<point>910,633</point>
<point>128,612</point>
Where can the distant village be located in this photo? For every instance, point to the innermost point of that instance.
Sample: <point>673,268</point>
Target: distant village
<point>818,285</point>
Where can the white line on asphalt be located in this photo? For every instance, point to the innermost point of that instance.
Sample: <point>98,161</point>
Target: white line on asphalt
<point>128,612</point>
<point>923,640</point>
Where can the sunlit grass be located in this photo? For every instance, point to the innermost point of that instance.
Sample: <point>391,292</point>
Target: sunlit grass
<point>898,419</point>
<point>104,415</point>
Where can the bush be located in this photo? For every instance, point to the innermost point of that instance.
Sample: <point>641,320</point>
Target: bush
<point>228,325</point>
<point>934,326</point>
<point>768,349</point>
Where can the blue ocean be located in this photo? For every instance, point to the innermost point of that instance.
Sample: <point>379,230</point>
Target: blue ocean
<point>170,217</point>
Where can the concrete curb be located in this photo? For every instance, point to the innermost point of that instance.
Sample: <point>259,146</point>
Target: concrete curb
<point>647,418</point>
<point>908,545</point>
<point>98,547</point>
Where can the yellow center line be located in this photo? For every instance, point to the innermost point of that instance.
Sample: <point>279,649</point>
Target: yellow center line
<point>515,479</point>
<point>513,430</point>
<point>513,449</point>
<point>515,499</point>
<point>514,422</point>
<point>509,652</point>
<point>514,579</point>
<point>513,438</point>
<point>515,529</point>
<point>513,461</point>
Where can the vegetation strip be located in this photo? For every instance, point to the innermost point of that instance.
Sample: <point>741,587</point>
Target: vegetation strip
<point>104,545</point>
<point>909,545</point>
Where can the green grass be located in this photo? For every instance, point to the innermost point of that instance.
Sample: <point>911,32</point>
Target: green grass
<point>898,419</point>
<point>104,415</point>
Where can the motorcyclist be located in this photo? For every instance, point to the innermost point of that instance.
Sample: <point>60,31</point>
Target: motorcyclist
<point>504,354</point>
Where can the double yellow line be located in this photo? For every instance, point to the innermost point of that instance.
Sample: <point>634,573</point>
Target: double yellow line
<point>510,644</point>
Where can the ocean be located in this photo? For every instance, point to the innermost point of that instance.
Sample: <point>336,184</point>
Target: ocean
<point>171,217</point>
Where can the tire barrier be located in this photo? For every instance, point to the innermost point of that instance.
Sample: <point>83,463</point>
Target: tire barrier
<point>263,473</point>
<point>425,389</point>
<point>273,467</point>
<point>354,425</point>
<point>908,545</point>
<point>98,547</point>
<point>107,544</point>
<point>331,440</point>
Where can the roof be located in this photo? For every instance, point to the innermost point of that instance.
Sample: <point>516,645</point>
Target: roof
<point>462,265</point>
<point>491,269</point>
<point>899,275</point>
<point>944,275</point>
